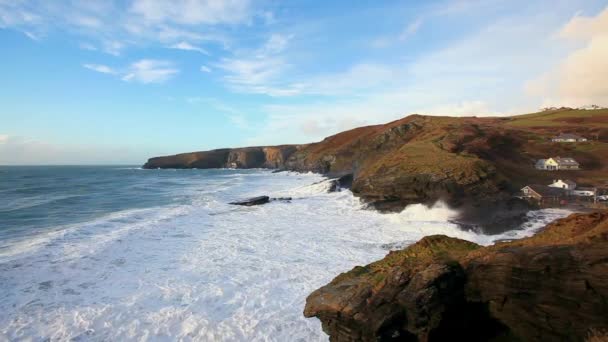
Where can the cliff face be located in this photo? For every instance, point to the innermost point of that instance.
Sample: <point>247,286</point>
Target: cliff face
<point>550,287</point>
<point>272,157</point>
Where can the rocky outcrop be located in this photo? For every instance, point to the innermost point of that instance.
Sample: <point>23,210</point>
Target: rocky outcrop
<point>259,200</point>
<point>272,157</point>
<point>550,287</point>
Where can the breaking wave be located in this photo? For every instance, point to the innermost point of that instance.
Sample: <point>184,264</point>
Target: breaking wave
<point>194,268</point>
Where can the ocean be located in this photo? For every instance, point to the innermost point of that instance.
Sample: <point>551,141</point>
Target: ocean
<point>109,253</point>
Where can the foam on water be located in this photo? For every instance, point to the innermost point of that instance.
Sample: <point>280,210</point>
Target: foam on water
<point>205,270</point>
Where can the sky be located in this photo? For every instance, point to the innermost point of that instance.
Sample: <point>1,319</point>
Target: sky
<point>117,82</point>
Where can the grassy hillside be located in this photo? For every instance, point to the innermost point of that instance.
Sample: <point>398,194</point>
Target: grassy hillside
<point>563,118</point>
<point>422,158</point>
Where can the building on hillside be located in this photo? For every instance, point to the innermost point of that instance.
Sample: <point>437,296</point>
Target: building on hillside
<point>585,192</point>
<point>565,184</point>
<point>557,163</point>
<point>540,164</point>
<point>543,193</point>
<point>567,137</point>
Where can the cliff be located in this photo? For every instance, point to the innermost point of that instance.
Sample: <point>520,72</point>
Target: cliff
<point>475,164</point>
<point>271,157</point>
<point>550,287</point>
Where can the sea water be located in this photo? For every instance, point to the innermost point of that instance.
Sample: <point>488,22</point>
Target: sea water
<point>120,253</point>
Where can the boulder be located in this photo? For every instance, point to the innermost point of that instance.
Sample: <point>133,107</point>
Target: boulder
<point>252,201</point>
<point>550,287</point>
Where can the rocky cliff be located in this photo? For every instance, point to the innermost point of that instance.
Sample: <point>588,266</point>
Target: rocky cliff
<point>475,164</point>
<point>272,157</point>
<point>550,287</point>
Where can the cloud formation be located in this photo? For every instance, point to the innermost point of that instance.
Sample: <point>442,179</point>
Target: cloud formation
<point>150,71</point>
<point>143,71</point>
<point>580,78</point>
<point>104,69</point>
<point>183,45</point>
<point>112,26</point>
<point>192,12</point>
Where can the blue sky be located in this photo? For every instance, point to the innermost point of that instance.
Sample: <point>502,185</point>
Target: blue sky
<point>86,82</point>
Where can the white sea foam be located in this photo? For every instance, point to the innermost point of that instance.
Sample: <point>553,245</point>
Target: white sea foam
<point>207,271</point>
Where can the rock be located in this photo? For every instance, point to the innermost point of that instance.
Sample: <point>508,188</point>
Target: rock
<point>286,199</point>
<point>273,157</point>
<point>550,287</point>
<point>334,185</point>
<point>252,201</point>
<point>342,182</point>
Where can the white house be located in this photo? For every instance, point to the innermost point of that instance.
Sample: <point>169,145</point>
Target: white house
<point>582,191</point>
<point>563,184</point>
<point>543,193</point>
<point>557,163</point>
<point>567,137</point>
<point>540,164</point>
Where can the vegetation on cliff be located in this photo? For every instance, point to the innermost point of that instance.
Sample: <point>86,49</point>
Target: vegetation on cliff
<point>468,162</point>
<point>552,286</point>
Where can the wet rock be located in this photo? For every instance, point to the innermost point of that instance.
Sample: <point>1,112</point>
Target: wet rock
<point>550,287</point>
<point>287,199</point>
<point>334,186</point>
<point>252,201</point>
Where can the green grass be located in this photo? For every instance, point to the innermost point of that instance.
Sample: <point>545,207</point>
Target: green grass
<point>595,118</point>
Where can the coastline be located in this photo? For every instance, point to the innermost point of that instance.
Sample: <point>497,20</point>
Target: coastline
<point>478,167</point>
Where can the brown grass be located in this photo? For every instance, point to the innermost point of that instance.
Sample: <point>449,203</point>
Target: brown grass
<point>596,335</point>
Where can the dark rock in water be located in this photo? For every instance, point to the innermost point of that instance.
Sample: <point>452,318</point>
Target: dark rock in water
<point>342,182</point>
<point>281,199</point>
<point>346,181</point>
<point>334,186</point>
<point>253,201</point>
<point>494,217</point>
<point>549,287</point>
<point>278,170</point>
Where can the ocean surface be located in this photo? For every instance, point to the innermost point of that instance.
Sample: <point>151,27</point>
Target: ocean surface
<point>112,253</point>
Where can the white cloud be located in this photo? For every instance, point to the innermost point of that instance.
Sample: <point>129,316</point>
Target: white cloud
<point>276,43</point>
<point>205,68</point>
<point>86,21</point>
<point>580,78</point>
<point>193,11</point>
<point>410,29</point>
<point>150,71</point>
<point>257,75</point>
<point>104,69</point>
<point>113,47</point>
<point>18,150</point>
<point>188,47</point>
<point>31,35</point>
<point>143,71</point>
<point>584,28</point>
<point>113,26</point>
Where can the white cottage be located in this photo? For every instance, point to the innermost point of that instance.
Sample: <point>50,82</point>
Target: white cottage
<point>585,192</point>
<point>565,184</point>
<point>567,137</point>
<point>557,163</point>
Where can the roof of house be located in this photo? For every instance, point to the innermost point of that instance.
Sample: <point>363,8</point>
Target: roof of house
<point>566,181</point>
<point>545,190</point>
<point>568,136</point>
<point>565,161</point>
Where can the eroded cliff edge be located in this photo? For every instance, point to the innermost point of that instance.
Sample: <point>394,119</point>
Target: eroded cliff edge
<point>549,287</point>
<point>474,164</point>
